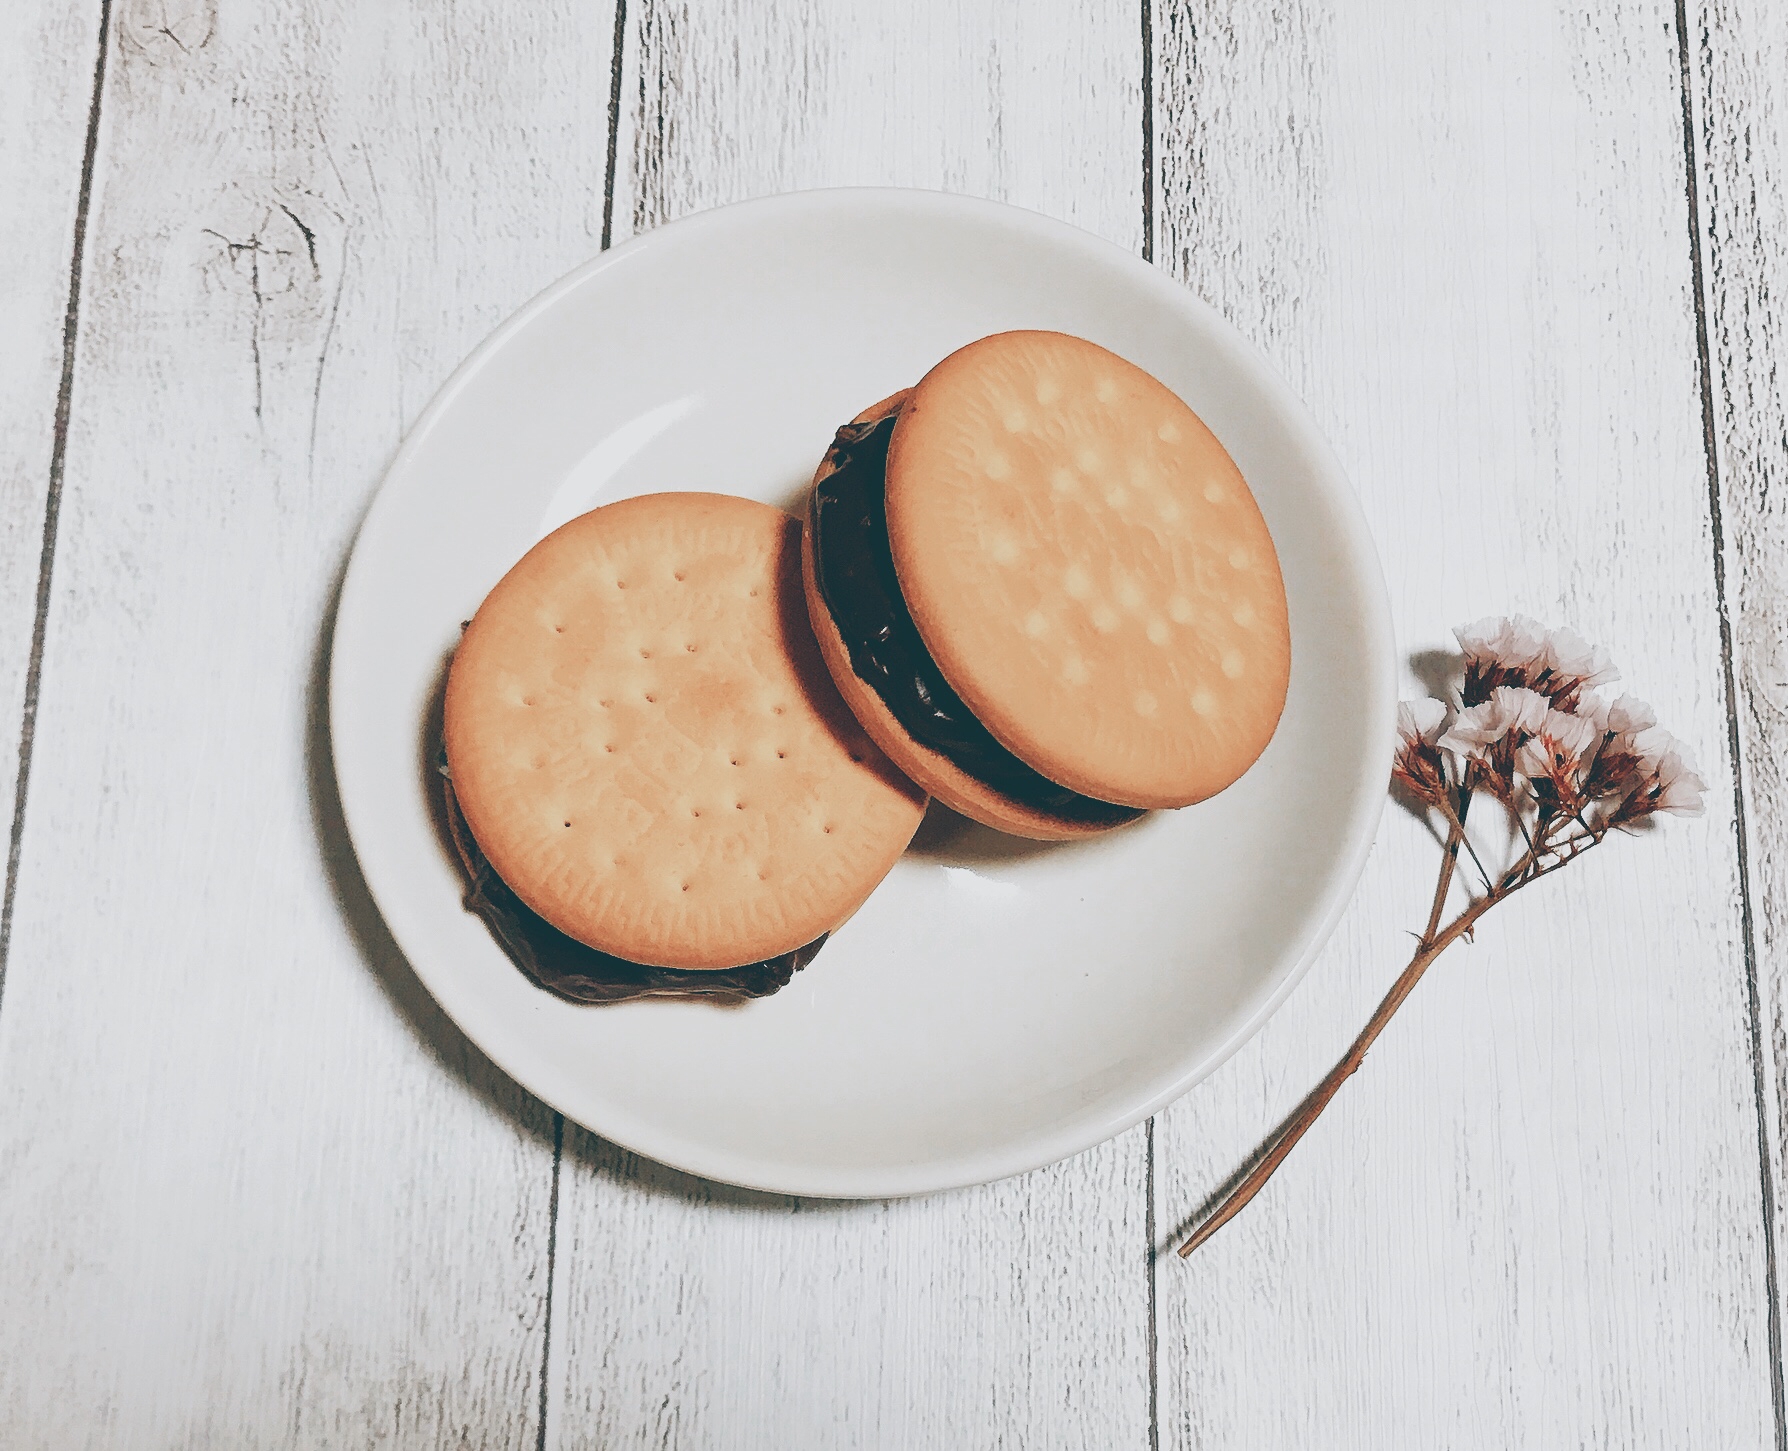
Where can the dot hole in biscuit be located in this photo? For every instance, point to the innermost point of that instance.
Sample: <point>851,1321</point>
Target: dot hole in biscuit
<point>610,748</point>
<point>678,576</point>
<point>738,806</point>
<point>558,629</point>
<point>651,700</point>
<point>690,649</point>
<point>782,755</point>
<point>645,654</point>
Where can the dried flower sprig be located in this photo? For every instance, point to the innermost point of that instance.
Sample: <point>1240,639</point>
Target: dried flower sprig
<point>1529,731</point>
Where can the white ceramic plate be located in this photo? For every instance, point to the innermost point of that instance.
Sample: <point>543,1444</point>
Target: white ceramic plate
<point>996,1005</point>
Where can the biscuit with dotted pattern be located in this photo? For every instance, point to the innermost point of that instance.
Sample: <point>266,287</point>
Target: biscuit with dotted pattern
<point>1088,569</point>
<point>648,747</point>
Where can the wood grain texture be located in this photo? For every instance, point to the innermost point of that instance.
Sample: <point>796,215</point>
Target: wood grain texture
<point>1738,55</point>
<point>1462,233</point>
<point>46,92</point>
<point>689,1315</point>
<point>255,1190</point>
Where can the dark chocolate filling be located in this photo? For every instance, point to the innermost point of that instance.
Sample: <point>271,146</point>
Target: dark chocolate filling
<point>566,967</point>
<point>855,571</point>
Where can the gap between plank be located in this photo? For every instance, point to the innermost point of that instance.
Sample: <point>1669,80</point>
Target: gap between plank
<point>552,1256</point>
<point>552,1209</point>
<point>1753,994</point>
<point>1148,255</point>
<point>614,121</point>
<point>1148,136</point>
<point>1154,1269</point>
<point>52,508</point>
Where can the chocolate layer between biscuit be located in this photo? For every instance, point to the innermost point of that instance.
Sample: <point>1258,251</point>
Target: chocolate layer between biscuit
<point>579,973</point>
<point>854,568</point>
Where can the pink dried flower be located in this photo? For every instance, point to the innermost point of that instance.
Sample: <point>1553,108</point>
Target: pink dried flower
<point>1679,787</point>
<point>1592,708</point>
<point>1509,710</point>
<point>1484,739</point>
<point>1554,758</point>
<point>1564,741</point>
<point>1514,642</point>
<point>1624,759</point>
<point>1499,651</point>
<point>1520,651</point>
<point>1570,657</point>
<point>1629,715</point>
<point>1664,779</point>
<point>1421,720</point>
<point>1417,766</point>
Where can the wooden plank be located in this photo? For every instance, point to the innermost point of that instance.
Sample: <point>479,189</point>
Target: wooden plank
<point>686,1314</point>
<point>256,1190</point>
<point>1739,55</point>
<point>46,93</point>
<point>1534,1218</point>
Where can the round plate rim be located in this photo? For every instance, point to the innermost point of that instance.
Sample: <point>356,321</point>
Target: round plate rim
<point>892,1180</point>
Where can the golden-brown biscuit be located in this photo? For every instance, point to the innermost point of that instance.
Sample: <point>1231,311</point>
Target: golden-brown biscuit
<point>1088,578</point>
<point>932,769</point>
<point>648,747</point>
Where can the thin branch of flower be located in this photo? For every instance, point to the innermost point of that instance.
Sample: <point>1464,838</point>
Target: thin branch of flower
<point>1531,733</point>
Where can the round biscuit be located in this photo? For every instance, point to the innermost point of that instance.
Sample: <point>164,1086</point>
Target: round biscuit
<point>649,749</point>
<point>1088,568</point>
<point>935,772</point>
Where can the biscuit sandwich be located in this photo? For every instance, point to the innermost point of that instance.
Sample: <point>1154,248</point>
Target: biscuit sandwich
<point>1045,589</point>
<point>650,778</point>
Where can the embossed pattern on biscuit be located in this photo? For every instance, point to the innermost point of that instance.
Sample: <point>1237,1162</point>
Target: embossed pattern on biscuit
<point>1089,569</point>
<point>649,750</point>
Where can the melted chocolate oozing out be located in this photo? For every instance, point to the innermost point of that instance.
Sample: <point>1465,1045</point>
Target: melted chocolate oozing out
<point>856,577</point>
<point>566,967</point>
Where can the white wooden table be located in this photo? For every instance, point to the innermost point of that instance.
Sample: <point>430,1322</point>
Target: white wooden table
<point>1526,260</point>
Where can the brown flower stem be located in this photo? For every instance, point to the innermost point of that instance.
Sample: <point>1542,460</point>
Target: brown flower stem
<point>1448,863</point>
<point>1456,819</point>
<point>1529,869</point>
